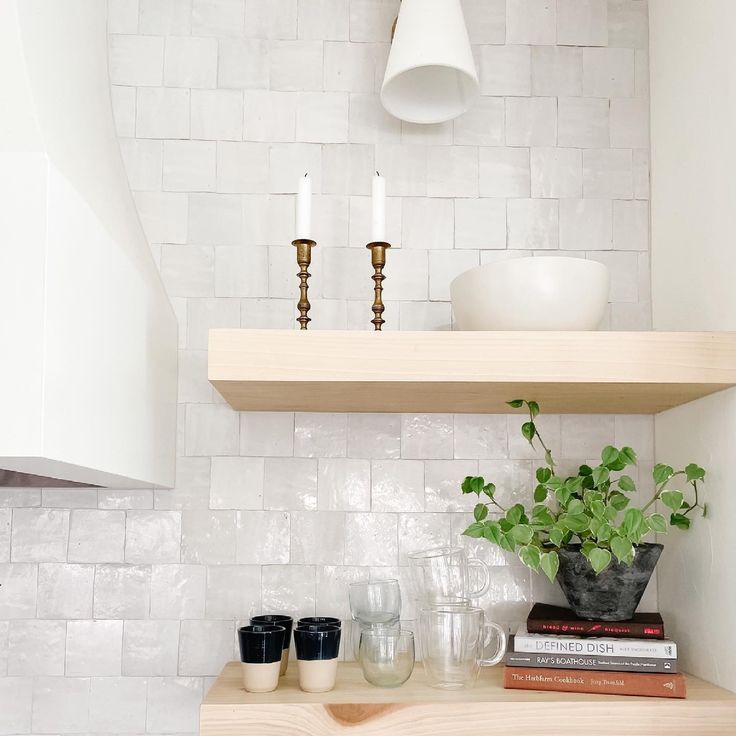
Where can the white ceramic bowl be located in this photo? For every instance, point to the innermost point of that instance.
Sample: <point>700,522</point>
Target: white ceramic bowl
<point>534,293</point>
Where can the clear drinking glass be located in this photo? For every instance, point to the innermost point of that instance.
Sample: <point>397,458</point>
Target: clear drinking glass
<point>444,572</point>
<point>386,656</point>
<point>375,603</point>
<point>452,642</point>
<point>356,629</point>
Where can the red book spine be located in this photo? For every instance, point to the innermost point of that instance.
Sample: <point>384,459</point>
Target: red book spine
<point>590,681</point>
<point>631,629</point>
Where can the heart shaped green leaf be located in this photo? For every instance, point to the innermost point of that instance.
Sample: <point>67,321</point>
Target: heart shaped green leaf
<point>694,472</point>
<point>489,489</point>
<point>662,473</point>
<point>556,536</point>
<point>530,556</point>
<point>657,523</point>
<point>507,543</point>
<point>598,509</point>
<point>623,549</point>
<point>604,532</point>
<point>609,455</point>
<point>492,532</point>
<point>522,533</point>
<point>475,531</point>
<point>626,483</point>
<point>672,499</point>
<point>633,523</point>
<point>542,516</point>
<point>618,501</point>
<point>515,514</point>
<point>600,475</point>
<point>575,522</point>
<point>540,493</point>
<point>576,506</point>
<point>543,475</point>
<point>550,564</point>
<point>599,559</point>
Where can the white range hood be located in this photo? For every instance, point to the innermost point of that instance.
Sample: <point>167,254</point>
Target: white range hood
<point>88,337</point>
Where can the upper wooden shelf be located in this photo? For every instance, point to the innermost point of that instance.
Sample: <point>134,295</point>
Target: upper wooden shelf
<point>468,372</point>
<point>414,709</point>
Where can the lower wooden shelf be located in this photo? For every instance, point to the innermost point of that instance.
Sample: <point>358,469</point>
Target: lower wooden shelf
<point>417,710</point>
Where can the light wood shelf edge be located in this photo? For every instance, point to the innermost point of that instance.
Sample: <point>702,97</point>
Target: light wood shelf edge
<point>474,372</point>
<point>417,710</point>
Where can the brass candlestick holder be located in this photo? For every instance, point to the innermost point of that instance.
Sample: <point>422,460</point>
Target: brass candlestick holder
<point>304,258</point>
<point>378,259</point>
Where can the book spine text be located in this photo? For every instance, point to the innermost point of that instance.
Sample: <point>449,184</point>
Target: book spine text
<point>593,628</point>
<point>541,644</point>
<point>603,683</point>
<point>591,662</point>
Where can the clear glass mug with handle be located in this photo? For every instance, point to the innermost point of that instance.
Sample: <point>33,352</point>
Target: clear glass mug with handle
<point>445,572</point>
<point>453,642</point>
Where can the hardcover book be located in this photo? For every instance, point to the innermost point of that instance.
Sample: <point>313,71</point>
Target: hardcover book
<point>600,662</point>
<point>612,647</point>
<point>546,619</point>
<point>603,683</point>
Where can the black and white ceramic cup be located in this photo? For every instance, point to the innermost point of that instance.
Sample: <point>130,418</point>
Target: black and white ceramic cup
<point>278,619</point>
<point>320,621</point>
<point>261,648</point>
<point>317,647</point>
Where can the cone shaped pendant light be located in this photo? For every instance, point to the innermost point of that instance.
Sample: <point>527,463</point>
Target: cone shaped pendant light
<point>431,75</point>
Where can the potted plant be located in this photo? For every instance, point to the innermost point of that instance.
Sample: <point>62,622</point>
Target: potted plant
<point>582,529</point>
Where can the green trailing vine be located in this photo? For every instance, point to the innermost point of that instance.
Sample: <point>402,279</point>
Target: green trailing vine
<point>592,507</point>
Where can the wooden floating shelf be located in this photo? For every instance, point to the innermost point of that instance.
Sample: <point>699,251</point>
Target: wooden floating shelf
<point>468,372</point>
<point>417,710</point>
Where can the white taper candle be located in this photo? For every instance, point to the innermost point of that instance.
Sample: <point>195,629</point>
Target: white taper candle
<point>304,209</point>
<point>378,220</point>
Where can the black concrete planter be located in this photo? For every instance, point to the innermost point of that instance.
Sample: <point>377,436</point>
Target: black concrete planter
<point>615,593</point>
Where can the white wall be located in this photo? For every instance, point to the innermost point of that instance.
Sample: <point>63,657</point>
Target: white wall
<point>693,100</point>
<point>695,580</point>
<point>693,93</point>
<point>221,106</point>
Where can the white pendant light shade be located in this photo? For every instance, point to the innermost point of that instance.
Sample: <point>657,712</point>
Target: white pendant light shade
<point>431,75</point>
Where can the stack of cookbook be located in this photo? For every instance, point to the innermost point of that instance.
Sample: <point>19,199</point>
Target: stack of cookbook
<point>555,650</point>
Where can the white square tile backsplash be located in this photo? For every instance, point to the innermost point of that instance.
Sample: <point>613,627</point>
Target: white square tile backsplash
<point>162,112</point>
<point>556,173</point>
<point>36,647</point>
<point>96,536</point>
<point>66,591</point>
<point>117,704</point>
<point>221,105</point>
<point>93,648</point>
<point>582,22</point>
<point>190,62</point>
